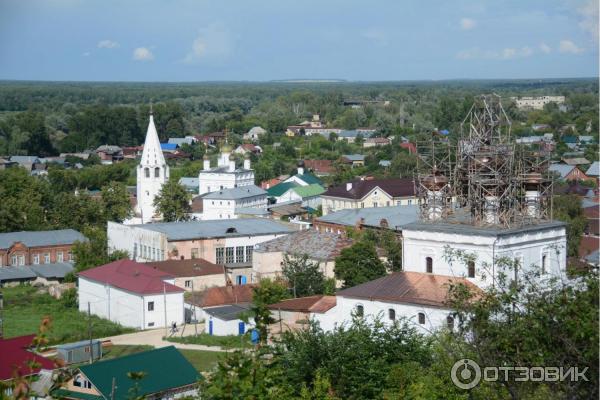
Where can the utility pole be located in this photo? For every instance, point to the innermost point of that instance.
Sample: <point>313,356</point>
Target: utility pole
<point>165,307</point>
<point>90,333</point>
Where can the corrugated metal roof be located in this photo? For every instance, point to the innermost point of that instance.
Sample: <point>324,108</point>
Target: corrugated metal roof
<point>316,304</point>
<point>562,169</point>
<point>281,188</point>
<point>237,193</point>
<point>395,216</point>
<point>228,312</point>
<point>40,238</point>
<point>317,245</point>
<point>309,190</point>
<point>594,169</point>
<point>466,229</point>
<point>217,228</point>
<point>48,271</point>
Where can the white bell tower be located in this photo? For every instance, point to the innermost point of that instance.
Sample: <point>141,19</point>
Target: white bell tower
<point>152,173</point>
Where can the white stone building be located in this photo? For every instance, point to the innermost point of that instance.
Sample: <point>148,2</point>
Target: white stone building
<point>222,204</point>
<point>426,248</point>
<point>152,173</point>
<point>225,175</point>
<point>537,103</point>
<point>131,294</point>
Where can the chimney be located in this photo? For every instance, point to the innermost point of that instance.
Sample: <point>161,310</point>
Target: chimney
<point>348,186</point>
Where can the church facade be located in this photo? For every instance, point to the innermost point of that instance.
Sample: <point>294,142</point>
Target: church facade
<point>225,175</point>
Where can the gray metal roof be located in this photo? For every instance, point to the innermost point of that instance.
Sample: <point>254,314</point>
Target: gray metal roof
<point>593,258</point>
<point>56,270</point>
<point>180,141</point>
<point>594,169</point>
<point>75,345</point>
<point>354,157</point>
<point>229,312</point>
<point>40,238</point>
<point>25,159</point>
<point>189,182</point>
<point>396,216</point>
<point>252,211</point>
<point>217,228</point>
<point>317,245</point>
<point>562,169</point>
<point>236,193</point>
<point>466,229</point>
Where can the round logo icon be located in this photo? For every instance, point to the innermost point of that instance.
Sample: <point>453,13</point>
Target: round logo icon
<point>466,374</point>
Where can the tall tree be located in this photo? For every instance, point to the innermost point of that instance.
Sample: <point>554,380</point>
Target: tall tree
<point>358,264</point>
<point>94,251</point>
<point>303,275</point>
<point>567,208</point>
<point>115,200</point>
<point>173,202</point>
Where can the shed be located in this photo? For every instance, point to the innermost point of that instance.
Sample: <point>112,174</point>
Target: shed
<point>78,352</point>
<point>226,320</point>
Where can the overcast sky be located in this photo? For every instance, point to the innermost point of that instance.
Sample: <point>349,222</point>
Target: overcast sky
<point>258,40</point>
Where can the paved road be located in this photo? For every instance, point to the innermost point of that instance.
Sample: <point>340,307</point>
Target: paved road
<point>154,337</point>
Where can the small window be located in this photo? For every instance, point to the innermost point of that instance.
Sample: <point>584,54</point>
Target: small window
<point>471,269</point>
<point>229,257</point>
<point>36,259</point>
<point>150,324</point>
<point>188,283</point>
<point>450,322</point>
<point>360,311</point>
<point>421,318</point>
<point>429,265</point>
<point>157,172</point>
<point>375,204</point>
<point>47,258</point>
<point>150,306</point>
<point>86,349</point>
<point>392,314</point>
<point>59,256</point>
<point>147,172</point>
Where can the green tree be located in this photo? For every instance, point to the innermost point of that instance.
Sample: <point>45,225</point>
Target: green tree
<point>303,275</point>
<point>267,292</point>
<point>567,208</point>
<point>24,199</point>
<point>173,202</point>
<point>358,264</point>
<point>94,251</point>
<point>115,200</point>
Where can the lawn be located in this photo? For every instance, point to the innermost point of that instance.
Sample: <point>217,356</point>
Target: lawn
<point>25,307</point>
<point>226,342</point>
<point>201,360</point>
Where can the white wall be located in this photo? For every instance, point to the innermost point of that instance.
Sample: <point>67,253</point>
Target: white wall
<point>225,209</point>
<point>211,181</point>
<point>526,246</point>
<point>133,239</point>
<point>435,318</point>
<point>129,309</point>
<point>224,328</point>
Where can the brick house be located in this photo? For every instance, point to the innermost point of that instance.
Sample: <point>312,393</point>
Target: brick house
<point>40,247</point>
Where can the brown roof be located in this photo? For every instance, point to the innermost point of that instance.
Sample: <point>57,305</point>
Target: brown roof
<point>189,267</point>
<point>407,287</point>
<point>588,245</point>
<point>592,212</point>
<point>319,166</point>
<point>317,245</point>
<point>396,187</point>
<point>315,304</point>
<point>223,295</point>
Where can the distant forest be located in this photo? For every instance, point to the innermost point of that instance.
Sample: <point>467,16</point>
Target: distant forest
<point>44,118</point>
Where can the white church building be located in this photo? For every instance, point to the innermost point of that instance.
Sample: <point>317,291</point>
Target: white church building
<point>152,173</point>
<point>225,175</point>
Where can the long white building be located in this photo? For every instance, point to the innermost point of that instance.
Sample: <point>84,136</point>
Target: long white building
<point>222,204</point>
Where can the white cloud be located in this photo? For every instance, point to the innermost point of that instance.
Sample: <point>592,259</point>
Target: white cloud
<point>467,24</point>
<point>86,54</point>
<point>376,35</point>
<point>213,44</point>
<point>545,48</point>
<point>107,44</point>
<point>589,18</point>
<point>507,53</point>
<point>142,54</point>
<point>567,46</point>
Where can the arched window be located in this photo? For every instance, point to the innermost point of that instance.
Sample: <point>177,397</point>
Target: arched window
<point>392,314</point>
<point>422,318</point>
<point>157,172</point>
<point>147,172</point>
<point>360,311</point>
<point>450,322</point>
<point>429,265</point>
<point>471,269</point>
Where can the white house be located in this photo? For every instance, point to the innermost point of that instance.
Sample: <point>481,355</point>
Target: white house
<point>131,294</point>
<point>227,320</point>
<point>225,175</point>
<point>222,204</point>
<point>425,249</point>
<point>418,297</point>
<point>152,173</point>
<point>293,314</point>
<point>254,133</point>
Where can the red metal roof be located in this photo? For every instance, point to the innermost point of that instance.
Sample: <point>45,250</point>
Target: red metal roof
<point>16,359</point>
<point>132,276</point>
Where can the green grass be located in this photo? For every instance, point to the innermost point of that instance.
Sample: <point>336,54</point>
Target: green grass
<point>25,307</point>
<point>201,360</point>
<point>226,342</point>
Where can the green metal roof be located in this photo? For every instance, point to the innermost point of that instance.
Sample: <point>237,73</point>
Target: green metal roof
<point>308,191</point>
<point>281,188</point>
<point>165,368</point>
<point>309,178</point>
<point>69,394</point>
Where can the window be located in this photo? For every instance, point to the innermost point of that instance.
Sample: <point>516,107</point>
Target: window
<point>36,259</point>
<point>86,349</point>
<point>471,269</point>
<point>362,205</point>
<point>249,250</point>
<point>392,314</point>
<point>21,260</point>
<point>188,283</point>
<point>157,172</point>
<point>194,252</point>
<point>135,250</point>
<point>150,306</point>
<point>147,172</point>
<point>387,203</point>
<point>375,204</point>
<point>409,202</point>
<point>544,263</point>
<point>239,254</point>
<point>46,258</point>
<point>229,255</point>
<point>429,265</point>
<point>150,324</point>
<point>59,256</point>
<point>219,253</point>
<point>69,256</point>
<point>450,322</point>
<point>360,311</point>
<point>13,260</point>
<point>421,317</point>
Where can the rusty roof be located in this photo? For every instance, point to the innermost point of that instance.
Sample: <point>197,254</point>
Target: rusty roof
<point>407,287</point>
<point>317,245</point>
<point>315,304</point>
<point>222,295</point>
<point>189,267</point>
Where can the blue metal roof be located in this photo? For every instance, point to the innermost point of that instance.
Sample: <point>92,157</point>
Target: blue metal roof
<point>168,146</point>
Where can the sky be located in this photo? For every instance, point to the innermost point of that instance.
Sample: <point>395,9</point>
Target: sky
<point>262,40</point>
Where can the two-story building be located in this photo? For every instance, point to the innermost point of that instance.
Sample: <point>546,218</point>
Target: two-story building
<point>37,247</point>
<point>222,204</point>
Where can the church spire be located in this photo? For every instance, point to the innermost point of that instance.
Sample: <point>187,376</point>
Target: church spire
<point>152,154</point>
